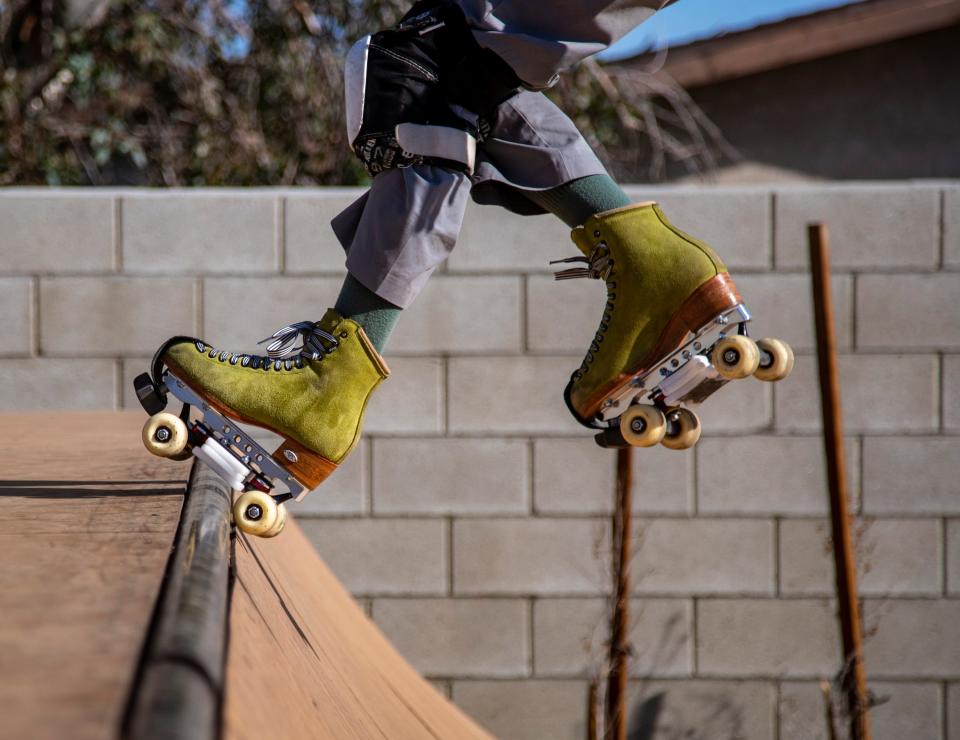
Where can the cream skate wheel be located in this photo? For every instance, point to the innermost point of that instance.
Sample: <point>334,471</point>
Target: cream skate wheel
<point>735,357</point>
<point>643,426</point>
<point>776,360</point>
<point>277,528</point>
<point>255,512</point>
<point>683,430</point>
<point>165,435</point>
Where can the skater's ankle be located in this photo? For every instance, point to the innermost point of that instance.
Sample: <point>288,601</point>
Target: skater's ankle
<point>376,315</point>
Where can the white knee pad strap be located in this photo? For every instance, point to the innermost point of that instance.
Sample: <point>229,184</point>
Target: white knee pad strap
<point>443,142</point>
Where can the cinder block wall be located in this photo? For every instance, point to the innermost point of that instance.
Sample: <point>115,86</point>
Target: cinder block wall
<point>473,521</point>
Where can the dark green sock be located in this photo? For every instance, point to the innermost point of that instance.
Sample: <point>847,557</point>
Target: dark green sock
<point>373,313</point>
<point>575,201</point>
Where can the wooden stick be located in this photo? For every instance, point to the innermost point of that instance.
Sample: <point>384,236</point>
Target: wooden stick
<point>592,710</point>
<point>828,710</point>
<point>616,724</point>
<point>854,676</point>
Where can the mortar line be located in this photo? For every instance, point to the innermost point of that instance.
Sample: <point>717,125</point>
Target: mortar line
<point>694,637</point>
<point>366,503</point>
<point>524,314</point>
<point>199,318</point>
<point>280,234</point>
<point>854,314</point>
<point>944,560</point>
<point>944,707</point>
<point>772,233</point>
<point>941,229</point>
<point>777,523</point>
<point>777,704</point>
<point>118,383</point>
<point>450,562</point>
<point>36,348</point>
<point>117,234</point>
<point>531,491</point>
<point>532,659</point>
<point>445,389</point>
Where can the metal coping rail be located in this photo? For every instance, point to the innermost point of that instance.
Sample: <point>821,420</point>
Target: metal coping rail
<point>178,690</point>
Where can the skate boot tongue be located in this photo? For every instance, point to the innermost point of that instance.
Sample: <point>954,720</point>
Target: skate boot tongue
<point>330,321</point>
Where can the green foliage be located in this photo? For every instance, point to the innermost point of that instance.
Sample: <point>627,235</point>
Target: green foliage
<point>185,92</point>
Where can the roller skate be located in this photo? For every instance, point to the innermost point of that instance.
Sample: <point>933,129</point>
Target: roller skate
<point>313,395</point>
<point>673,332</point>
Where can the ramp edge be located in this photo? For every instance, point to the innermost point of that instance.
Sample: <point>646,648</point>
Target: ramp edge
<point>178,692</point>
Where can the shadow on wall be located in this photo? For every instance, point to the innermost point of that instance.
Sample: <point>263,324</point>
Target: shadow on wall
<point>716,717</point>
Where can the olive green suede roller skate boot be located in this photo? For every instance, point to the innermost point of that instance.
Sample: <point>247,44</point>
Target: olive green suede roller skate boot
<point>673,331</point>
<point>313,395</point>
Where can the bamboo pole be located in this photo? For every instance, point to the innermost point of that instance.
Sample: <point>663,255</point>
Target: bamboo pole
<point>615,727</point>
<point>854,675</point>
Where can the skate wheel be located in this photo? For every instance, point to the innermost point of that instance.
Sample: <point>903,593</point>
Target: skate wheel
<point>776,360</point>
<point>735,357</point>
<point>277,528</point>
<point>255,512</point>
<point>165,435</point>
<point>683,430</point>
<point>642,425</point>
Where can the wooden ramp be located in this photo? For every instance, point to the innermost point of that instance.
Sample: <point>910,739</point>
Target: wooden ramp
<point>88,521</point>
<point>112,624</point>
<point>305,661</point>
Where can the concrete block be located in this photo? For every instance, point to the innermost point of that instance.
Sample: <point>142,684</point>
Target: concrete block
<point>203,231</point>
<point>465,315</point>
<point>510,395</point>
<point>751,637</point>
<point>563,315</point>
<point>951,229</point>
<point>911,475</point>
<point>492,240</point>
<point>56,231</point>
<point>800,711</point>
<point>411,400</point>
<point>745,710</point>
<point>793,479</point>
<point>344,492</point>
<point>953,556</point>
<point>880,394</point>
<point>570,637</point>
<point>16,308</point>
<point>384,556</point>
<point>894,556</point>
<point>239,312</point>
<point>529,556</point>
<point>310,244</point>
<point>912,710</point>
<point>869,225</point>
<point>526,710</point>
<point>737,408</point>
<point>908,312</point>
<point>951,392</point>
<point>704,556</point>
<point>734,221</point>
<point>574,476</point>
<point>57,385</point>
<point>916,637</point>
<point>782,307</point>
<point>458,637</point>
<point>450,476</point>
<point>91,317</point>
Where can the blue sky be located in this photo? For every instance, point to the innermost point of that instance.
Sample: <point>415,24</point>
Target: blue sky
<point>692,20</point>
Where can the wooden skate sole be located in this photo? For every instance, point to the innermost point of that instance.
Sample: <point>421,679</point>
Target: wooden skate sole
<point>714,297</point>
<point>308,467</point>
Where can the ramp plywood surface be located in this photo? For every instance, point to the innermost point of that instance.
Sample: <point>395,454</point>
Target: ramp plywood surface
<point>305,661</point>
<point>89,519</point>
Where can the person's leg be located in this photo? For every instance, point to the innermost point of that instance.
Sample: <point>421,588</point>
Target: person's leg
<point>376,315</point>
<point>575,201</point>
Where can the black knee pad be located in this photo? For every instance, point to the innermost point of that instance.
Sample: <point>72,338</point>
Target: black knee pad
<point>417,93</point>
